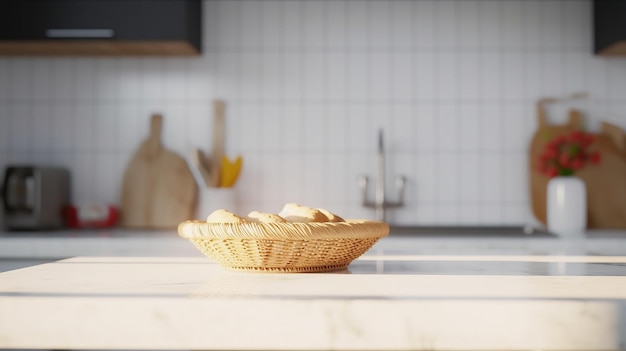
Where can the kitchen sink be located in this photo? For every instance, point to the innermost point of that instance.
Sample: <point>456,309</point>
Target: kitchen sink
<point>459,231</point>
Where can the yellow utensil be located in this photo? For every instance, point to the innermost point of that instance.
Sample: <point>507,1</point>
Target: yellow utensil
<point>230,171</point>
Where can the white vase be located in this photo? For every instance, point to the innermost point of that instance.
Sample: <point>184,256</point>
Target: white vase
<point>567,206</point>
<point>211,199</point>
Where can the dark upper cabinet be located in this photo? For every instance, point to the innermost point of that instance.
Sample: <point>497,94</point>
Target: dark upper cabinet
<point>609,18</point>
<point>100,27</point>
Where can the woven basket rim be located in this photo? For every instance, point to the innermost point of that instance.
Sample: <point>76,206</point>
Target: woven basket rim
<point>353,228</point>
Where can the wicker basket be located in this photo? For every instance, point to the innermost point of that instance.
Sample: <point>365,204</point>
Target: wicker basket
<point>284,247</point>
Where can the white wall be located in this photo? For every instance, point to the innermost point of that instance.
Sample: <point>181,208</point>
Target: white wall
<point>308,83</point>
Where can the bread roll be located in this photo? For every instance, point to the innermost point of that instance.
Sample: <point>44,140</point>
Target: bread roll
<point>302,214</point>
<point>223,216</point>
<point>264,217</point>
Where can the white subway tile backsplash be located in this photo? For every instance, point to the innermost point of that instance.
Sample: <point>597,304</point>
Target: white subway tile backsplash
<point>336,24</point>
<point>531,24</point>
<point>315,126</point>
<point>491,128</point>
<point>315,176</point>
<point>491,176</point>
<point>174,80</point>
<point>292,23</point>
<point>380,82</point>
<point>468,76</point>
<point>336,76</point>
<point>307,85</point>
<point>515,168</point>
<point>426,178</point>
<point>105,76</point>
<point>152,80</point>
<point>512,33</point>
<point>575,22</point>
<point>491,75</point>
<point>491,215</point>
<point>379,117</point>
<point>314,83</point>
<point>227,82</point>
<point>616,85</point>
<point>401,131</point>
<point>445,26</point>
<point>490,24</point>
<point>20,136</point>
<point>106,175</point>
<point>424,75</point>
<point>41,72</point>
<point>239,122</point>
<point>550,18</point>
<point>229,23</point>
<point>83,173</point>
<point>270,128</point>
<point>513,125</point>
<point>358,24</point>
<point>314,23</point>
<point>4,129</point>
<point>199,80</point>
<point>470,215</point>
<point>512,80</point>
<point>447,73</point>
<point>200,121</point>
<point>469,127</point>
<point>469,178</point>
<point>20,80</point>
<point>447,177</point>
<point>359,83</point>
<point>251,69</point>
<point>401,24</point>
<point>249,24</point>
<point>292,128</point>
<point>425,127</point>
<point>380,24</point>
<point>270,33</point>
<point>41,127</point>
<point>133,127</point>
<point>574,72</point>
<point>292,76</point>
<point>4,79</point>
<point>552,73</point>
<point>84,127</point>
<point>401,76</point>
<point>338,128</point>
<point>424,24</point>
<point>339,179</point>
<point>85,80</point>
<point>467,24</point>
<point>447,129</point>
<point>448,215</point>
<point>359,136</point>
<point>174,129</point>
<point>128,80</point>
<point>271,84</point>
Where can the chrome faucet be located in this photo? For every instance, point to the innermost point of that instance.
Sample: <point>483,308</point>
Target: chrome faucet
<point>380,203</point>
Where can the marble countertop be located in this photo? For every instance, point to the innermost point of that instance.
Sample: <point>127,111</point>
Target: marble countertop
<point>403,294</point>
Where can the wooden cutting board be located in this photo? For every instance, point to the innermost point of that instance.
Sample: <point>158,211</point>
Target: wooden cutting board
<point>158,190</point>
<point>605,182</point>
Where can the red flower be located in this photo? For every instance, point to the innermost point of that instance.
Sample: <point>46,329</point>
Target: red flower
<point>595,158</point>
<point>567,153</point>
